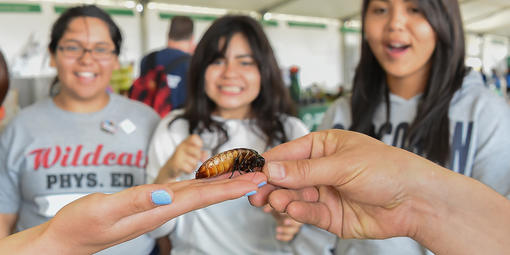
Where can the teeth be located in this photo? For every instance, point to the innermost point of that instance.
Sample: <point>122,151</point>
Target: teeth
<point>86,74</point>
<point>231,89</point>
<point>397,45</point>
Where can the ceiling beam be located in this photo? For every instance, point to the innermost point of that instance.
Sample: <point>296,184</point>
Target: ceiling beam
<point>466,1</point>
<point>486,15</point>
<point>350,16</point>
<point>274,6</point>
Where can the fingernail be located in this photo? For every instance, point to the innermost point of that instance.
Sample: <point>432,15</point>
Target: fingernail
<point>161,197</point>
<point>262,184</point>
<point>250,193</point>
<point>276,171</point>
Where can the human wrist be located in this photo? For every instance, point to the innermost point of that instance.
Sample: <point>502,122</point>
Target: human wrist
<point>429,206</point>
<point>49,241</point>
<point>421,181</point>
<point>468,217</point>
<point>444,214</point>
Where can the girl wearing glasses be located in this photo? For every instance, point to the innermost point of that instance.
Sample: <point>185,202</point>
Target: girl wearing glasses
<point>412,90</point>
<point>80,141</point>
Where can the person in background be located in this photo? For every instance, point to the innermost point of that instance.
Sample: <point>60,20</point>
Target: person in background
<point>181,45</point>
<point>412,90</point>
<point>237,99</point>
<point>4,79</point>
<point>8,98</point>
<point>4,87</point>
<point>507,80</point>
<point>80,141</point>
<point>495,80</point>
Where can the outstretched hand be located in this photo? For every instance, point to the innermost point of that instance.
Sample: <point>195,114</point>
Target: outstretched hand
<point>99,221</point>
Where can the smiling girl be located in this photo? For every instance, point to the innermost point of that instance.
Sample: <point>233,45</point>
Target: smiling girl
<point>236,99</point>
<point>82,140</point>
<point>412,90</point>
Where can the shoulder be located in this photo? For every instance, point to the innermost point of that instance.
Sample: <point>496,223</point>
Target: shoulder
<point>131,104</point>
<point>28,122</point>
<point>170,130</point>
<point>170,54</point>
<point>475,102</point>
<point>338,114</point>
<point>475,96</point>
<point>293,126</point>
<point>27,114</point>
<point>172,123</point>
<point>134,108</point>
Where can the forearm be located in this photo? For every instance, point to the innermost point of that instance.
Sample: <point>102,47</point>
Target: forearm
<point>33,241</point>
<point>459,215</point>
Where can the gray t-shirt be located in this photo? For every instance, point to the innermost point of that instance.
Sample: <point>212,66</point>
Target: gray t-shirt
<point>479,122</point>
<point>50,157</point>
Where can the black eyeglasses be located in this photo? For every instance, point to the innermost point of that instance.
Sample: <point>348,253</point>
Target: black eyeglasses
<point>76,51</point>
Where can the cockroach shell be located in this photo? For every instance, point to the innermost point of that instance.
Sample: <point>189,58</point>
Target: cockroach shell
<point>216,165</point>
<point>224,162</point>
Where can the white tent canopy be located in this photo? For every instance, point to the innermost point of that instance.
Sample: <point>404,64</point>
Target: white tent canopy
<point>480,16</point>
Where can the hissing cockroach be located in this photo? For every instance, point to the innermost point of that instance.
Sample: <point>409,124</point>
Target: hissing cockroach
<point>240,159</point>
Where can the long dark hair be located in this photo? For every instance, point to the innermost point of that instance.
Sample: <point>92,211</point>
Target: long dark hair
<point>4,78</point>
<point>273,99</point>
<point>429,132</point>
<point>60,26</point>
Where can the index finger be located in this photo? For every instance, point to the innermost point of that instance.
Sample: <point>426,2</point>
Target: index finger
<point>195,140</point>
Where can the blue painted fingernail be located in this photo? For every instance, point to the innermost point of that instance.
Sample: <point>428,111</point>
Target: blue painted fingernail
<point>250,193</point>
<point>161,197</point>
<point>262,184</point>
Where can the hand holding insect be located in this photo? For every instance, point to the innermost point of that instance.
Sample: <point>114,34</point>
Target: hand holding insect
<point>286,227</point>
<point>344,182</point>
<point>186,157</point>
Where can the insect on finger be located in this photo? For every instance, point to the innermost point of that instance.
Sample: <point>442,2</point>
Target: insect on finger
<point>240,159</point>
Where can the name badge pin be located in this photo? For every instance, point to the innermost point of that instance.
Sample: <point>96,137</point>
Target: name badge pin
<point>128,126</point>
<point>108,127</point>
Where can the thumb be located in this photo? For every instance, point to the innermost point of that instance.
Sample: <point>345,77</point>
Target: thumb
<point>204,155</point>
<point>297,174</point>
<point>195,140</point>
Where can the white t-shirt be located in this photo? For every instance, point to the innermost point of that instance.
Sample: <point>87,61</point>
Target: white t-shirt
<point>231,227</point>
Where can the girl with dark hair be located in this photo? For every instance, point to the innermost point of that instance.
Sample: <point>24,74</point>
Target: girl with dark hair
<point>80,141</point>
<point>236,99</point>
<point>412,90</point>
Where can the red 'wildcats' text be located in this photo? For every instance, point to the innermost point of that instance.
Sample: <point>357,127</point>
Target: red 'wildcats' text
<point>69,156</point>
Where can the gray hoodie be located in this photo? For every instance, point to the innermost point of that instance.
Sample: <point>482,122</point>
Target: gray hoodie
<point>479,120</point>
